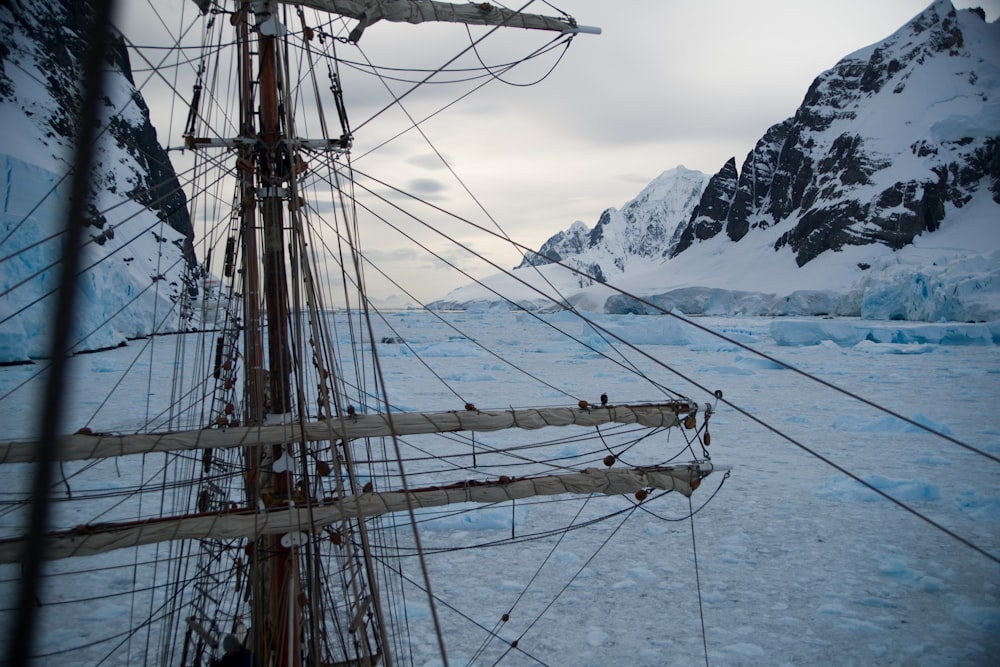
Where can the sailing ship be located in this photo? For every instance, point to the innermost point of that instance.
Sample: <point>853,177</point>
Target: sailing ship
<point>281,495</point>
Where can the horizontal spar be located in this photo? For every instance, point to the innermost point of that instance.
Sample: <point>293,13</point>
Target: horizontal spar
<point>368,12</point>
<point>96,446</point>
<point>235,524</point>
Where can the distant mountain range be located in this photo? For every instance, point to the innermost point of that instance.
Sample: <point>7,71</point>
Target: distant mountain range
<point>879,197</point>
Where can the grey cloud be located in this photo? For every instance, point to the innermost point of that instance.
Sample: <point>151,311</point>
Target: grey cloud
<point>426,187</point>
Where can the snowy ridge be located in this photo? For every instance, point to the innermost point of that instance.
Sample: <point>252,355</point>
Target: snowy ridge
<point>877,199</point>
<point>134,259</point>
<point>644,228</point>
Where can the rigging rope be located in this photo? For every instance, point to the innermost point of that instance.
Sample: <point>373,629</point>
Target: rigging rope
<point>565,587</point>
<point>530,313</point>
<point>22,631</point>
<point>690,322</point>
<point>697,579</point>
<point>506,616</point>
<point>409,91</point>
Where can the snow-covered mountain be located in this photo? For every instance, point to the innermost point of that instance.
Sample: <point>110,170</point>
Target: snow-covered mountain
<point>643,229</point>
<point>879,197</point>
<point>140,236</point>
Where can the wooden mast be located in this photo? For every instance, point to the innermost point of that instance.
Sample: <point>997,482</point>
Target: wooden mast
<point>265,150</point>
<point>278,644</point>
<point>276,585</point>
<point>254,411</point>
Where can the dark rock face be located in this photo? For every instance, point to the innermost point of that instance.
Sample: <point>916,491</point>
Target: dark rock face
<point>710,215</point>
<point>756,177</point>
<point>161,190</point>
<point>58,34</point>
<point>869,157</point>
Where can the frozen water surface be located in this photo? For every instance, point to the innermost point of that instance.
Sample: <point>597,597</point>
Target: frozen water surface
<point>797,563</point>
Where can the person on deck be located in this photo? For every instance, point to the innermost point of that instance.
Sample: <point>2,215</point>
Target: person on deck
<point>236,654</point>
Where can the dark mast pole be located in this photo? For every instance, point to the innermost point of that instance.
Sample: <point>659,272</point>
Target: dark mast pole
<point>252,324</point>
<point>273,174</point>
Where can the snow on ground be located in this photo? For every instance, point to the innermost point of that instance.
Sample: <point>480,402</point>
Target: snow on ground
<point>797,563</point>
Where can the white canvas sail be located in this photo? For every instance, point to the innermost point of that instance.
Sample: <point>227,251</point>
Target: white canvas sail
<point>249,523</point>
<point>86,446</point>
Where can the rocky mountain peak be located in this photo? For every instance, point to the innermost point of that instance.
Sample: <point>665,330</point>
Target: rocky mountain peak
<point>888,174</point>
<point>882,143</point>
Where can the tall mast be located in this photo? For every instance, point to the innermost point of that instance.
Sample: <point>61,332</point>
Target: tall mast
<point>252,323</point>
<point>282,630</point>
<point>265,149</point>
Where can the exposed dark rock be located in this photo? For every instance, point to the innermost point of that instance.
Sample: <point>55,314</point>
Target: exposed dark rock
<point>644,228</point>
<point>850,167</point>
<point>597,233</point>
<point>755,181</point>
<point>710,215</point>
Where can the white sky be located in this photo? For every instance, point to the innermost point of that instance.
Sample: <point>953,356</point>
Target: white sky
<point>669,82</point>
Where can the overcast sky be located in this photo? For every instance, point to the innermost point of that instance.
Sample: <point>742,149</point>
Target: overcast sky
<point>667,83</point>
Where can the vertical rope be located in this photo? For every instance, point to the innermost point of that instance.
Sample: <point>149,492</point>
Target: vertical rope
<point>23,629</point>
<point>697,579</point>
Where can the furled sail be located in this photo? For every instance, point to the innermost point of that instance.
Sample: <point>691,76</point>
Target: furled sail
<point>94,539</point>
<point>85,446</point>
<point>368,12</point>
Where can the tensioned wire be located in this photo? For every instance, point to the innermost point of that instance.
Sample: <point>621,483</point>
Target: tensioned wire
<point>383,318</point>
<point>358,272</point>
<point>359,379</point>
<point>93,264</point>
<point>525,249</point>
<point>663,311</point>
<point>149,381</point>
<point>659,309</point>
<point>229,472</point>
<point>161,613</point>
<point>376,267</point>
<point>200,554</point>
<point>142,292</point>
<point>628,511</point>
<point>431,75</point>
<point>555,597</point>
<point>300,253</point>
<point>440,257</point>
<point>417,125</point>
<point>317,318</point>
<point>135,297</point>
<point>103,130</point>
<point>472,252</point>
<point>124,201</point>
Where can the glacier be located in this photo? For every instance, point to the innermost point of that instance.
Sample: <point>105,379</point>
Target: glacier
<point>113,305</point>
<point>137,259</point>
